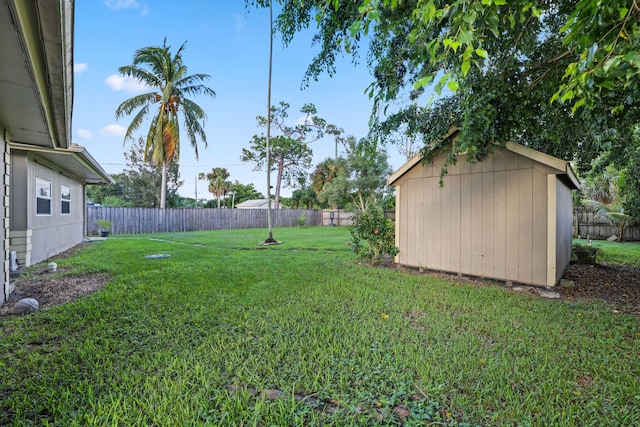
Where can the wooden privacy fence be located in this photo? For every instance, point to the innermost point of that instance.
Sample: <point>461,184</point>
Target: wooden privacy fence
<point>588,223</point>
<point>345,218</point>
<point>151,220</point>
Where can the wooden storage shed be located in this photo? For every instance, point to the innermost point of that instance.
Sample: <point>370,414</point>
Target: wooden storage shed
<point>507,217</point>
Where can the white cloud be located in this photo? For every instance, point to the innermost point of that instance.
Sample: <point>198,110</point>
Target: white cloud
<point>127,4</point>
<point>113,130</point>
<point>121,4</point>
<point>239,21</point>
<point>126,84</point>
<point>80,68</point>
<point>303,120</point>
<point>84,134</point>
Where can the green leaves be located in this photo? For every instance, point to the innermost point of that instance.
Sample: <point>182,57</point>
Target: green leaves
<point>373,237</point>
<point>482,53</point>
<point>465,36</point>
<point>614,27</point>
<point>452,43</point>
<point>466,65</point>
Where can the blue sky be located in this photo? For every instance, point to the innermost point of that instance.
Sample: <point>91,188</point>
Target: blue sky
<point>225,41</point>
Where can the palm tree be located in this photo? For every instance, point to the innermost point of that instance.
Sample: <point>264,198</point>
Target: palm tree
<point>166,75</point>
<point>326,171</point>
<point>603,192</point>
<point>218,184</point>
<point>612,212</point>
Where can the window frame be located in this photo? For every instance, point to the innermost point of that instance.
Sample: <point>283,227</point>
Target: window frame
<point>43,183</point>
<point>65,200</point>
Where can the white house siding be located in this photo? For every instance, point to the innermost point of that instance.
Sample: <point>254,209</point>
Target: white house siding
<point>5,164</point>
<point>38,237</point>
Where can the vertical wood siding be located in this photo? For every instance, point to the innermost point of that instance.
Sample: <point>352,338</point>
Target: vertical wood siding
<point>487,220</point>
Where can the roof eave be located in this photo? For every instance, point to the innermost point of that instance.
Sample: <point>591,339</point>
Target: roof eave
<point>75,153</point>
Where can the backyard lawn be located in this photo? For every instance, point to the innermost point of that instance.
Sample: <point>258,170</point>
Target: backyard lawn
<point>223,332</point>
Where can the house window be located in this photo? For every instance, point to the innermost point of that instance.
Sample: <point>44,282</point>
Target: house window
<point>43,197</point>
<point>65,200</point>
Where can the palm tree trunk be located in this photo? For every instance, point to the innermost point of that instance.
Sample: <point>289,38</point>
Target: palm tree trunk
<point>163,185</point>
<point>268,147</point>
<point>621,230</point>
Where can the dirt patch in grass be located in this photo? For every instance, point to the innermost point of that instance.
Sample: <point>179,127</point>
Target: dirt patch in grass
<point>51,289</point>
<point>618,285</point>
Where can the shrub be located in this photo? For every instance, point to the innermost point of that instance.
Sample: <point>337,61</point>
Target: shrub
<point>104,224</point>
<point>302,220</point>
<point>584,254</point>
<point>373,237</point>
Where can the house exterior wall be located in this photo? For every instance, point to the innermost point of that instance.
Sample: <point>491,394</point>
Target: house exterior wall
<point>4,236</point>
<point>38,237</point>
<point>487,220</point>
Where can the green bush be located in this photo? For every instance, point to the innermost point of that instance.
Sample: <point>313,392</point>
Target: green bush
<point>104,224</point>
<point>583,254</point>
<point>373,237</point>
<point>302,220</point>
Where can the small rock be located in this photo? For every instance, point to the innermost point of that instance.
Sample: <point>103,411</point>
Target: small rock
<point>567,284</point>
<point>271,394</point>
<point>401,412</point>
<point>528,289</point>
<point>612,238</point>
<point>549,294</point>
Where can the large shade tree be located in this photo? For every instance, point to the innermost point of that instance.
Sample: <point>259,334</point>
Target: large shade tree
<point>165,74</point>
<point>289,153</point>
<point>557,75</point>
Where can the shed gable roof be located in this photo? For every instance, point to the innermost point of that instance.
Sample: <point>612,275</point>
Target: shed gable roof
<point>563,167</point>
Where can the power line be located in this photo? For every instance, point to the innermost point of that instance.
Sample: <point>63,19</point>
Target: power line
<point>182,166</point>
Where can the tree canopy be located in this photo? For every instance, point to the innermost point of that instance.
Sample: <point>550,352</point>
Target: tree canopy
<point>560,76</point>
<point>356,181</point>
<point>218,184</point>
<point>290,152</point>
<point>139,184</point>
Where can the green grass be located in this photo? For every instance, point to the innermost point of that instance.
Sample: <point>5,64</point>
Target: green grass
<point>616,252</point>
<point>197,338</point>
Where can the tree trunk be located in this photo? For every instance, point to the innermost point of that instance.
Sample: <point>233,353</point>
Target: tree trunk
<point>163,185</point>
<point>279,182</point>
<point>621,231</point>
<point>269,213</point>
